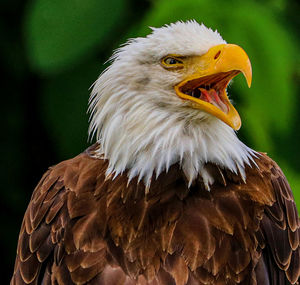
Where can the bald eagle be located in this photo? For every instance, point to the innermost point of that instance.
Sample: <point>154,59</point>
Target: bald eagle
<point>168,194</point>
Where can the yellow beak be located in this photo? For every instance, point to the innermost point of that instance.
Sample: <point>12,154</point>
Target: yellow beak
<point>211,73</point>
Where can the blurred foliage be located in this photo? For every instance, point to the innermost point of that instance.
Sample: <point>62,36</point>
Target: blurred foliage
<point>60,32</point>
<point>53,50</point>
<point>68,91</point>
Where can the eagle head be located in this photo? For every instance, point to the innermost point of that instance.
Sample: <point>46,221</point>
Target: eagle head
<point>163,100</point>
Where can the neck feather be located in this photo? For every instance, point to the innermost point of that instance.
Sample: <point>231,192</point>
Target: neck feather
<point>146,139</point>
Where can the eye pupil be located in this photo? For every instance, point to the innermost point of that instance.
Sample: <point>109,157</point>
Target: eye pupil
<point>171,60</point>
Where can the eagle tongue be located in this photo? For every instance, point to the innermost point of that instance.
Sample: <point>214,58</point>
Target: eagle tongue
<point>211,96</point>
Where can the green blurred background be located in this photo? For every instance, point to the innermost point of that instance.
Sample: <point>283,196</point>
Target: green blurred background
<point>53,50</point>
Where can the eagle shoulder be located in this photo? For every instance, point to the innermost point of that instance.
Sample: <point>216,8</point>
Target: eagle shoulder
<point>279,230</point>
<point>61,238</point>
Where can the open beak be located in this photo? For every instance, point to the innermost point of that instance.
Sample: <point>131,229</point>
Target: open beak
<point>206,86</point>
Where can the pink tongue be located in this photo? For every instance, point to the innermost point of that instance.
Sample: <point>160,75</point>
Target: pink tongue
<point>211,96</point>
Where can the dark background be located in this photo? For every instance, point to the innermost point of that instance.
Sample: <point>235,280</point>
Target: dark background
<point>53,50</point>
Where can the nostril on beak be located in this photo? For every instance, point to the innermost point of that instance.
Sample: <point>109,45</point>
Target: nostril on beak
<point>217,54</point>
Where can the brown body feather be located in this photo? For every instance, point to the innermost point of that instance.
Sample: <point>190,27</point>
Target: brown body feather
<point>83,228</point>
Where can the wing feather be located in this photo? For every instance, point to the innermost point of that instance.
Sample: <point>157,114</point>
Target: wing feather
<point>59,238</point>
<point>280,229</point>
<point>35,242</point>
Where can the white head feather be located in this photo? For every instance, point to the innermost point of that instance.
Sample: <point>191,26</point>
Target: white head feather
<point>144,127</point>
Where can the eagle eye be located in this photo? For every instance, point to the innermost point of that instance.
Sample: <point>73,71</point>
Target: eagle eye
<point>171,62</point>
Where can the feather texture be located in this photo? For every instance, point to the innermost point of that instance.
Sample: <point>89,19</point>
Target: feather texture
<point>84,228</point>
